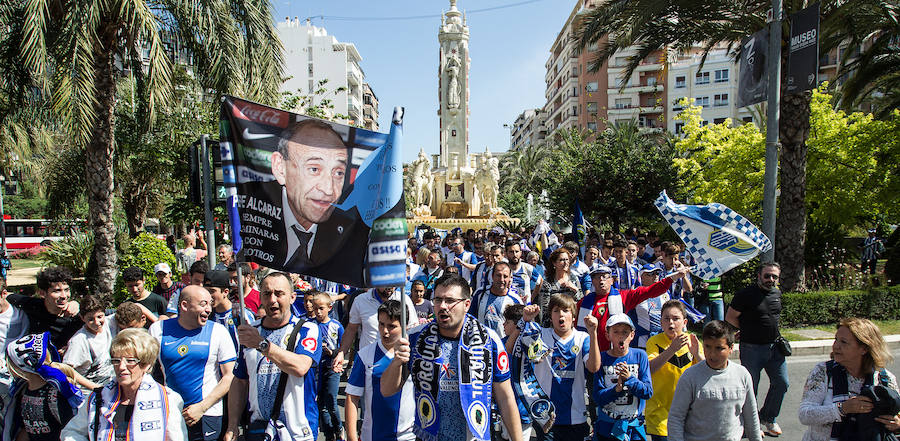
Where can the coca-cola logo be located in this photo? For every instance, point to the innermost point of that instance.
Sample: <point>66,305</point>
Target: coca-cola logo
<point>261,114</point>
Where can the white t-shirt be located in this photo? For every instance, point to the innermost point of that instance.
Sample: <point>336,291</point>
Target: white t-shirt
<point>88,353</point>
<point>365,313</point>
<point>13,324</point>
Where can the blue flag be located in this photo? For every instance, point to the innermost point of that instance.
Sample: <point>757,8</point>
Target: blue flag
<point>578,226</point>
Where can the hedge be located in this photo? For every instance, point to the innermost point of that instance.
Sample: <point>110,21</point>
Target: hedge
<point>144,251</point>
<point>824,307</point>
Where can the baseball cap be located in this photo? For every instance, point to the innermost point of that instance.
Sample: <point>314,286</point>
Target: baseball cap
<point>649,268</point>
<point>616,319</point>
<point>217,279</point>
<point>162,267</point>
<point>600,269</point>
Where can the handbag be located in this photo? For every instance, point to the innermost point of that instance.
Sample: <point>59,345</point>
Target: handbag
<point>783,346</point>
<point>275,429</point>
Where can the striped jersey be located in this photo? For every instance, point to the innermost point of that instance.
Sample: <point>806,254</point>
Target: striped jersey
<point>525,279</point>
<point>561,375</point>
<point>488,308</point>
<point>387,418</point>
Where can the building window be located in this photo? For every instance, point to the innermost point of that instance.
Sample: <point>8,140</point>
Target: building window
<point>623,103</point>
<point>621,61</point>
<point>702,101</point>
<point>592,107</point>
<point>680,82</point>
<point>651,81</point>
<point>720,100</point>
<point>591,87</point>
<point>310,69</point>
<point>592,126</point>
<point>702,78</point>
<point>679,128</point>
<point>453,132</point>
<point>718,120</point>
<point>748,119</point>
<point>676,105</point>
<point>311,86</point>
<point>722,76</point>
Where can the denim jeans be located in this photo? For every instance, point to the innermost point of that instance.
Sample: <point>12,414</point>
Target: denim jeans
<point>329,416</point>
<point>714,309</point>
<point>758,357</point>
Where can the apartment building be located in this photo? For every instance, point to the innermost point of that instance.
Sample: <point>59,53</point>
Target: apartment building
<point>370,108</point>
<point>527,129</point>
<point>311,55</point>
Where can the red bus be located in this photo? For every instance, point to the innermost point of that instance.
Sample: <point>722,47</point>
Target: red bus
<point>30,233</point>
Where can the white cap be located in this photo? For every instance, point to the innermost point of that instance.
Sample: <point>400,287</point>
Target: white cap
<point>616,319</point>
<point>162,267</point>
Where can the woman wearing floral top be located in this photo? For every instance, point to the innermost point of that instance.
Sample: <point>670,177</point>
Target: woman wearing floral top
<point>559,280</point>
<point>831,394</point>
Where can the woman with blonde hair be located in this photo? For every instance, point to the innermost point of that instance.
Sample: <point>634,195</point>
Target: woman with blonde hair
<point>832,403</point>
<point>44,395</point>
<point>132,406</point>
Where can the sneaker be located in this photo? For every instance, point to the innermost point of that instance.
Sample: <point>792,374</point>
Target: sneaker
<point>771,429</point>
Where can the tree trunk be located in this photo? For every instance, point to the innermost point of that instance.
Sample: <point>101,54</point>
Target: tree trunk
<point>99,166</point>
<point>135,200</point>
<point>790,225</point>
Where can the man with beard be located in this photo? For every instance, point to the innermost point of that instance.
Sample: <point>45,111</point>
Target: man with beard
<point>526,280</point>
<point>756,312</point>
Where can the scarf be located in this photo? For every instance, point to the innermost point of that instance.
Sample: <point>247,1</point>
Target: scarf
<point>475,377</point>
<point>847,428</point>
<point>149,419</point>
<point>529,350</point>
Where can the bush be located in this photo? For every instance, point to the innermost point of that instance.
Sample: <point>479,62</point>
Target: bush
<point>144,251</point>
<point>73,252</point>
<point>27,253</point>
<point>823,307</point>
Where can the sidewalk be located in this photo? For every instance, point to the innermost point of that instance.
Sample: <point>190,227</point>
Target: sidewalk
<point>22,277</point>
<point>821,347</point>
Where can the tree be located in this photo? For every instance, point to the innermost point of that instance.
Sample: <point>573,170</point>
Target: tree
<point>616,177</point>
<point>70,51</point>
<point>653,26</point>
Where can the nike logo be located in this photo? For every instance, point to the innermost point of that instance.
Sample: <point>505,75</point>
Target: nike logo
<point>252,136</point>
<point>169,343</point>
<point>208,434</point>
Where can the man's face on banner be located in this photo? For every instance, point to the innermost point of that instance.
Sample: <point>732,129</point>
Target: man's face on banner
<point>312,173</point>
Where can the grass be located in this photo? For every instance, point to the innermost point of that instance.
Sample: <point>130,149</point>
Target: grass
<point>25,263</point>
<point>887,327</point>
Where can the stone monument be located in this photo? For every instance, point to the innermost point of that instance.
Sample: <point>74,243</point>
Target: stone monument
<point>454,185</point>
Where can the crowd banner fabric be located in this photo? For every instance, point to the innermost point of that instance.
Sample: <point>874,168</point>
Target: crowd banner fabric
<point>578,226</point>
<point>717,237</point>
<point>754,82</point>
<point>315,197</point>
<point>803,60</point>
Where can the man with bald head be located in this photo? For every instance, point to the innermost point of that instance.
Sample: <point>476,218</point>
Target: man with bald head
<point>197,358</point>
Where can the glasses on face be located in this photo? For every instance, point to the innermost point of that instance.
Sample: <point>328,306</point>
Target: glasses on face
<point>129,361</point>
<point>770,276</point>
<point>450,302</point>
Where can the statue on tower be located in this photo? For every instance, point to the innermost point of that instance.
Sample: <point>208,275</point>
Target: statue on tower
<point>453,80</point>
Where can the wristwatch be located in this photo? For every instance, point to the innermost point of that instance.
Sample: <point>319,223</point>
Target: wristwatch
<point>263,346</point>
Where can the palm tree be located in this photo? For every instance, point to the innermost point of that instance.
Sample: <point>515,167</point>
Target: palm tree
<point>74,51</point>
<point>651,26</point>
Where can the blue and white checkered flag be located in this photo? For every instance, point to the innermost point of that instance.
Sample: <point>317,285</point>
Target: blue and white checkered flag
<point>717,237</point>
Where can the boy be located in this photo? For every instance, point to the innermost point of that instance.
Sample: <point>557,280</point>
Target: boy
<point>623,386</point>
<point>511,315</point>
<point>423,305</point>
<point>218,283</point>
<point>330,333</point>
<point>670,353</point>
<point>88,351</point>
<point>561,374</point>
<point>714,400</point>
<point>388,418</point>
<point>134,284</point>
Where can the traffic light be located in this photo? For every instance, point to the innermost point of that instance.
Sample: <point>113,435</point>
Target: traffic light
<point>219,193</point>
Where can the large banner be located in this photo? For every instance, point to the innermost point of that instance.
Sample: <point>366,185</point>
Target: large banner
<point>754,82</point>
<point>717,237</point>
<point>315,197</point>
<point>803,59</point>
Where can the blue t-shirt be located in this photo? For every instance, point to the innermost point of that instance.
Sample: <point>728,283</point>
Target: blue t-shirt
<point>628,404</point>
<point>226,319</point>
<point>330,334</point>
<point>387,418</point>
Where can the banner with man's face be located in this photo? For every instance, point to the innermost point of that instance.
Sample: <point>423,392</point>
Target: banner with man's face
<point>314,197</point>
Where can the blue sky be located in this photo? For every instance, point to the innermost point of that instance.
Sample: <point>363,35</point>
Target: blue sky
<point>508,48</point>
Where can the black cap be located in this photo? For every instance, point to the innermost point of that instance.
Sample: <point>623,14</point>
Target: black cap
<point>217,279</point>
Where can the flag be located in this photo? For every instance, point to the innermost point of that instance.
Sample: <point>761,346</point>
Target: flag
<point>716,236</point>
<point>542,237</point>
<point>578,226</point>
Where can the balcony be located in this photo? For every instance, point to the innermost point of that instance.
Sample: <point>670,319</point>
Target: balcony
<point>637,89</point>
<point>353,76</point>
<point>649,67</point>
<point>651,109</point>
<point>623,109</point>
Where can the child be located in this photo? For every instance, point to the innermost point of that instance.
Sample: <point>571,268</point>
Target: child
<point>424,307</point>
<point>44,397</point>
<point>561,372</point>
<point>387,418</point>
<point>715,399</point>
<point>88,351</point>
<point>330,332</point>
<point>623,385</point>
<point>670,353</point>
<point>511,315</point>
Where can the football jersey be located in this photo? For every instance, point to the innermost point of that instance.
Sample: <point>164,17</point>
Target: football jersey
<point>466,257</point>
<point>299,412</point>
<point>626,277</point>
<point>330,334</point>
<point>625,405</point>
<point>226,319</point>
<point>525,279</point>
<point>488,308</point>
<point>482,277</point>
<point>647,317</point>
<point>387,418</point>
<point>664,380</point>
<point>561,375</point>
<point>190,359</point>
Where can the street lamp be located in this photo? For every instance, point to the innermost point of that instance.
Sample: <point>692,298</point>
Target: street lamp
<point>510,128</point>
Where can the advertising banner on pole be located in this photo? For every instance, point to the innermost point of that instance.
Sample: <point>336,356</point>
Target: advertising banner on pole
<point>753,86</point>
<point>315,197</point>
<point>803,58</point>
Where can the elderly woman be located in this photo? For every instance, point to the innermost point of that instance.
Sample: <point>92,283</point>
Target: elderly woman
<point>831,396</point>
<point>559,280</point>
<point>132,406</point>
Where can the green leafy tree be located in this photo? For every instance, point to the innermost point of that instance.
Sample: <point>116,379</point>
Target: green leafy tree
<point>70,52</point>
<point>654,26</point>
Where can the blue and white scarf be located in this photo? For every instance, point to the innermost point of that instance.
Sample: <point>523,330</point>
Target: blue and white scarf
<point>475,379</point>
<point>529,350</point>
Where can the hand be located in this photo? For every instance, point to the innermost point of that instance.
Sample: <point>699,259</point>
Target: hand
<point>457,260</point>
<point>623,372</point>
<point>695,346</point>
<point>891,422</point>
<point>591,323</point>
<point>679,342</point>
<point>230,434</point>
<point>531,312</point>
<point>248,336</point>
<point>71,309</point>
<point>338,364</point>
<point>193,413</point>
<point>857,404</point>
<point>402,351</point>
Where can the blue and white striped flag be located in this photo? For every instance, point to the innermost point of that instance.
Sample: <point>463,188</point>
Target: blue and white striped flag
<point>717,237</point>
